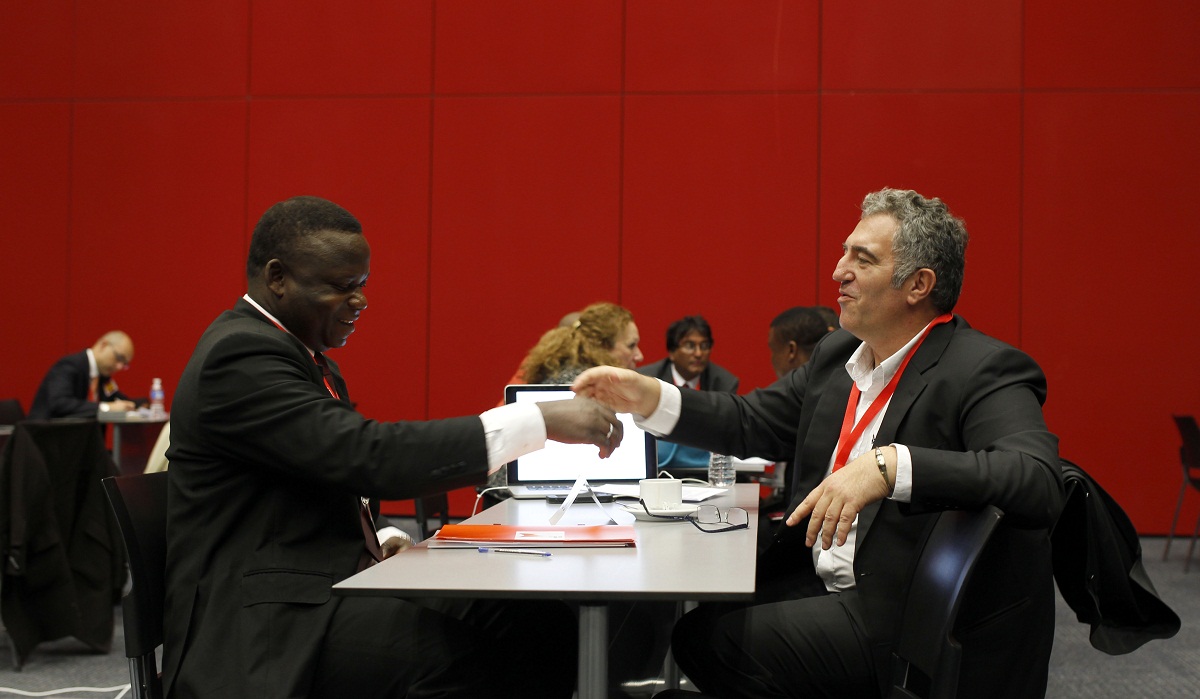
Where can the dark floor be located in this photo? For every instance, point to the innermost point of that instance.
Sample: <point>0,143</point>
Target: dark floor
<point>1159,670</point>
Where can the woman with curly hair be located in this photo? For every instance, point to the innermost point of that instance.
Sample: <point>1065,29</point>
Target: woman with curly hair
<point>604,335</point>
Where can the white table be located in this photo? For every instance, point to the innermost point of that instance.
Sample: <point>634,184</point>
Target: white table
<point>672,561</point>
<point>131,417</point>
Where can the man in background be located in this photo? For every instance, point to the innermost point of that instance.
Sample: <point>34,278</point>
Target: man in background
<point>793,335</point>
<point>82,384</point>
<point>689,358</point>
<point>791,338</point>
<point>688,364</point>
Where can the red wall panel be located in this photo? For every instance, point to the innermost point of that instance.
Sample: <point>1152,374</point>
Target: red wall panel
<point>157,204</point>
<point>34,194</point>
<point>372,157</point>
<point>921,44</point>
<point>1112,43</point>
<point>1111,303</point>
<point>161,49</point>
<point>542,46</point>
<point>961,147</point>
<point>685,45</point>
<point>718,218</point>
<point>35,49</point>
<point>313,47</point>
<point>525,202</point>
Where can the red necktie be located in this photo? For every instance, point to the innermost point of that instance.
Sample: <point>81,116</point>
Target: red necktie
<point>373,552</point>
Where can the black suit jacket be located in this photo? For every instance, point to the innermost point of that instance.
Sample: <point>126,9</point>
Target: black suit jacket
<point>969,409</point>
<point>64,390</point>
<point>713,378</point>
<point>267,469</point>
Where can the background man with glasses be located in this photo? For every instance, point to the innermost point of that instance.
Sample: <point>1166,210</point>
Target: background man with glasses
<point>81,384</point>
<point>688,365</point>
<point>689,350</point>
<point>876,461</point>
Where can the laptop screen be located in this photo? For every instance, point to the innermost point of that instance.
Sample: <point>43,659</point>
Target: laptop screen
<point>634,460</point>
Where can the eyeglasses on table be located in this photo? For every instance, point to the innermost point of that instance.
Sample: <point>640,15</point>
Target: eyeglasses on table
<point>708,516</point>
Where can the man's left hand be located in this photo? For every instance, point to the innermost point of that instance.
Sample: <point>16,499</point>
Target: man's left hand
<point>838,499</point>
<point>396,544</point>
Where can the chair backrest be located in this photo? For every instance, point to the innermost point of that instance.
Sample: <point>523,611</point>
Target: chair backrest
<point>927,656</point>
<point>140,505</point>
<point>11,411</point>
<point>1189,450</point>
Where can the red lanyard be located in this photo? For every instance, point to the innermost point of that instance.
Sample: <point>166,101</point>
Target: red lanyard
<point>325,371</point>
<point>849,437</point>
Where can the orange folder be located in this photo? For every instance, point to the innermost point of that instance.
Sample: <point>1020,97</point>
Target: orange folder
<point>470,535</point>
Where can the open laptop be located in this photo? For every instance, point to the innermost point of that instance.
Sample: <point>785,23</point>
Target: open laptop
<point>553,470</point>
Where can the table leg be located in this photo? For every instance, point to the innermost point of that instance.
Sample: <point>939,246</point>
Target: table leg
<point>671,674</point>
<point>593,650</point>
<point>116,452</point>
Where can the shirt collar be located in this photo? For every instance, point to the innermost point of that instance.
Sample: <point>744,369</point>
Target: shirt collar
<point>273,319</point>
<point>93,371</point>
<point>680,381</point>
<point>871,379</point>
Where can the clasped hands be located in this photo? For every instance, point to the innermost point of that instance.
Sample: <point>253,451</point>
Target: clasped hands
<point>583,421</point>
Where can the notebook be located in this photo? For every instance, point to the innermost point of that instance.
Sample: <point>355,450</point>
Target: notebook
<point>553,470</point>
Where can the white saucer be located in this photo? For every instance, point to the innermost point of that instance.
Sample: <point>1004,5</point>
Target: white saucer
<point>639,512</point>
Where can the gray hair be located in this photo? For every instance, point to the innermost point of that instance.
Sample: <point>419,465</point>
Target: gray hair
<point>928,236</point>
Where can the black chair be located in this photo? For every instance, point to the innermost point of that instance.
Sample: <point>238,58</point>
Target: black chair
<point>11,411</point>
<point>140,505</point>
<point>429,507</point>
<point>926,660</point>
<point>63,562</point>
<point>1189,456</point>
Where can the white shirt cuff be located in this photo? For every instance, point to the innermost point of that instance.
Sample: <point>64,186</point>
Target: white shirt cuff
<point>903,489</point>
<point>511,431</point>
<point>388,532</point>
<point>662,421</point>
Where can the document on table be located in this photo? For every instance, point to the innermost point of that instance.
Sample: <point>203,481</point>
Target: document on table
<point>514,535</point>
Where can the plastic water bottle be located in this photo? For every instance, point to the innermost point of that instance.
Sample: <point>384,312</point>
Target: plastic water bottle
<point>157,410</point>
<point>720,470</point>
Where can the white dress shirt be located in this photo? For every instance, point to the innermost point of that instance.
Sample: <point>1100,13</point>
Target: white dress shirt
<point>835,566</point>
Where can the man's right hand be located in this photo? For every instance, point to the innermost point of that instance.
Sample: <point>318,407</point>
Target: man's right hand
<point>582,421</point>
<point>121,405</point>
<point>620,389</point>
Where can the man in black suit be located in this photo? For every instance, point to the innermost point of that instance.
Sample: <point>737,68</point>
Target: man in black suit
<point>271,471</point>
<point>961,427</point>
<point>688,360</point>
<point>81,384</point>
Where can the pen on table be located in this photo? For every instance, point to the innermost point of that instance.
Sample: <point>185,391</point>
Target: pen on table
<point>527,552</point>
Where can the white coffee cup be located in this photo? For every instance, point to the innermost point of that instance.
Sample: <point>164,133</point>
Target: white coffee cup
<point>661,493</point>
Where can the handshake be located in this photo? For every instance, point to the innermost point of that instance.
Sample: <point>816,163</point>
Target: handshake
<point>591,418</point>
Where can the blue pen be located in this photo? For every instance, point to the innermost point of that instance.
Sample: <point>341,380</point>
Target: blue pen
<point>527,552</point>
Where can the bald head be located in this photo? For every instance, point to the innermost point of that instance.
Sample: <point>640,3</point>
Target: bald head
<point>113,352</point>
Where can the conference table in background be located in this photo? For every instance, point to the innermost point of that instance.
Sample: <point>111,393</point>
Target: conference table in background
<point>133,435</point>
<point>672,560</point>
